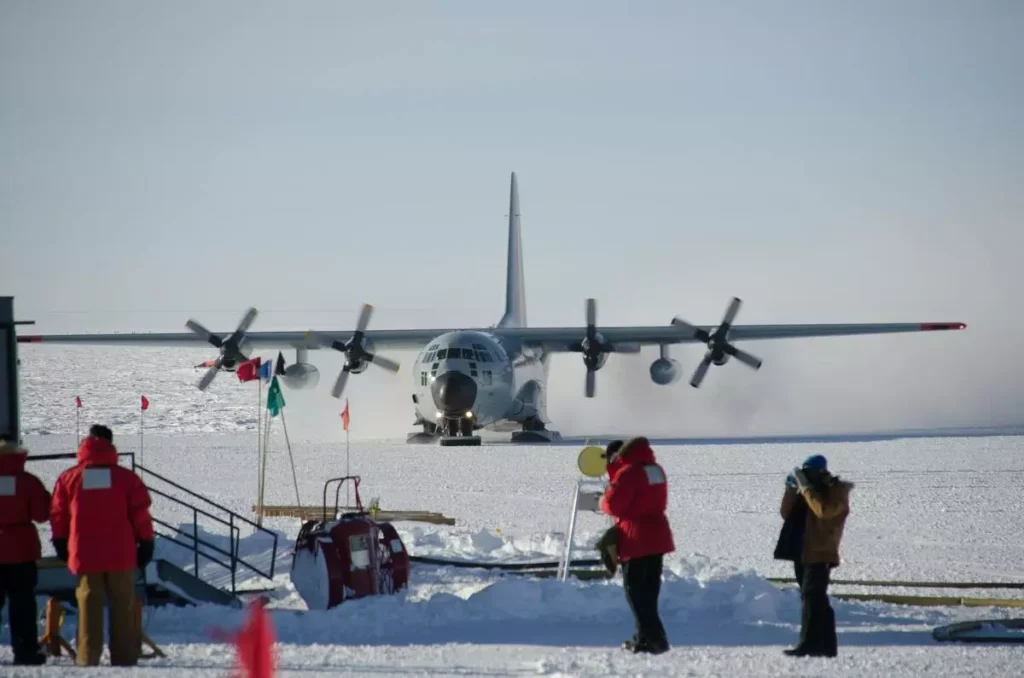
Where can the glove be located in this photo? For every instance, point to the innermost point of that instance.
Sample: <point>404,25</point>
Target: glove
<point>608,547</point>
<point>145,552</point>
<point>61,546</point>
<point>802,483</point>
<point>791,481</point>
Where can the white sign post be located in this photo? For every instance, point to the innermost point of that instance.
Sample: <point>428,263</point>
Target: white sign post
<point>586,497</point>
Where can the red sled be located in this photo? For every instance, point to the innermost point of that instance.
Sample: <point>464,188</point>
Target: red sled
<point>348,556</point>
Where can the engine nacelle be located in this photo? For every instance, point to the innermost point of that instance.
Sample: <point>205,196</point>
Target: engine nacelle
<point>602,358</point>
<point>301,376</point>
<point>665,371</point>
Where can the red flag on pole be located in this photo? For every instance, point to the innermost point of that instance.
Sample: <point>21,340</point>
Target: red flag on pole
<point>254,643</point>
<point>344,415</point>
<point>78,402</point>
<point>249,370</point>
<point>145,403</point>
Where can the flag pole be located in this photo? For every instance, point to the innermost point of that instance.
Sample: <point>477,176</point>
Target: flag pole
<point>142,427</point>
<point>78,419</point>
<point>345,423</point>
<point>291,459</point>
<point>263,471</point>
<point>259,434</point>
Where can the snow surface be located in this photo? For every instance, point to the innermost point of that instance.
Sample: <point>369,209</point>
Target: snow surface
<point>933,509</point>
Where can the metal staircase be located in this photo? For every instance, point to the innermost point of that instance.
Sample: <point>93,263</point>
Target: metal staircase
<point>166,582</point>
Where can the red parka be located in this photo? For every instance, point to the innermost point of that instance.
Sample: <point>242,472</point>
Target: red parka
<point>23,500</point>
<point>102,509</point>
<point>637,498</point>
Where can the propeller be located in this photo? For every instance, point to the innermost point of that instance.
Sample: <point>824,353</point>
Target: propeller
<point>594,348</point>
<point>355,351</point>
<point>719,348</point>
<point>230,347</point>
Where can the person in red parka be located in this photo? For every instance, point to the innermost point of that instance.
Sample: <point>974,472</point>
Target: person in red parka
<point>23,501</point>
<point>637,497</point>
<point>103,530</point>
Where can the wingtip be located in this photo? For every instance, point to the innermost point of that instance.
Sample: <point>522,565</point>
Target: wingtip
<point>932,327</point>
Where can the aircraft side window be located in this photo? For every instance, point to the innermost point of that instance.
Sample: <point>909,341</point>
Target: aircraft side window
<point>423,378</point>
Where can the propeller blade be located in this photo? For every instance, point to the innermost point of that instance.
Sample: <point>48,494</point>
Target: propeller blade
<point>702,369</point>
<point>364,318</point>
<point>743,357</point>
<point>339,385</point>
<point>730,313</point>
<point>247,320</point>
<point>591,312</point>
<point>694,331</point>
<point>206,334</point>
<point>386,363</point>
<point>591,383</point>
<point>211,373</point>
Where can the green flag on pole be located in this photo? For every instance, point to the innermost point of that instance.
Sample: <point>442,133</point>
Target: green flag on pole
<point>275,399</point>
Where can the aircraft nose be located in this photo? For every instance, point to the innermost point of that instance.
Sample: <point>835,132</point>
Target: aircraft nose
<point>453,392</point>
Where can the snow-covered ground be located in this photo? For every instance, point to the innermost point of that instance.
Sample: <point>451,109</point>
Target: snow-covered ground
<point>930,509</point>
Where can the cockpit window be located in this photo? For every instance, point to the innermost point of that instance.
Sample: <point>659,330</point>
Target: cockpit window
<point>467,353</point>
<point>442,353</point>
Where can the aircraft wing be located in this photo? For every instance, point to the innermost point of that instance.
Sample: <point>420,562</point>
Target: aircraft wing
<point>381,339</point>
<point>558,339</point>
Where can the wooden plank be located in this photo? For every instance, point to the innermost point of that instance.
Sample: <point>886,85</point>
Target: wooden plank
<point>912,584</point>
<point>316,513</point>
<point>936,601</point>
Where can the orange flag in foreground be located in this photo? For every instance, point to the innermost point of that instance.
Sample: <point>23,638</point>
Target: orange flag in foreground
<point>254,643</point>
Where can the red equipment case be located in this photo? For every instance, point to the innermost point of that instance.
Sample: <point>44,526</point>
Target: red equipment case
<point>348,556</point>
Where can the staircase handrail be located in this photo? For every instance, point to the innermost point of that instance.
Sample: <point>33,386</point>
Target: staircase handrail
<point>233,529</point>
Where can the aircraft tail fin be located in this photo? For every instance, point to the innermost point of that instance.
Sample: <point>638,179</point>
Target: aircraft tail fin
<point>515,289</point>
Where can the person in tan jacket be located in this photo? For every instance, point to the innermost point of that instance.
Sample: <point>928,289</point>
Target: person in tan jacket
<point>814,509</point>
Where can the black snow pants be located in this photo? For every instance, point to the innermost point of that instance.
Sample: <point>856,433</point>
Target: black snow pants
<point>641,579</point>
<point>818,619</point>
<point>18,590</point>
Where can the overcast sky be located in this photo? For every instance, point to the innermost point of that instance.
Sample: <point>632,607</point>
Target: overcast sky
<point>825,162</point>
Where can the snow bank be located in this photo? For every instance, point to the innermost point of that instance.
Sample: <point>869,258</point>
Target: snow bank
<point>445,605</point>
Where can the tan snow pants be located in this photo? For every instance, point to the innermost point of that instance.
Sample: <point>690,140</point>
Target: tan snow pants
<point>117,591</point>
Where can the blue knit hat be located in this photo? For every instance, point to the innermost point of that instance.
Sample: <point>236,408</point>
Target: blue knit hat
<point>816,462</point>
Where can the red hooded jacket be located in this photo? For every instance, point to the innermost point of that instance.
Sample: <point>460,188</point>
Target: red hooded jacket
<point>23,500</point>
<point>102,509</point>
<point>637,498</point>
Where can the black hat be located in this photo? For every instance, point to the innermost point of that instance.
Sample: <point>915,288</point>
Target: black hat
<point>101,431</point>
<point>613,449</point>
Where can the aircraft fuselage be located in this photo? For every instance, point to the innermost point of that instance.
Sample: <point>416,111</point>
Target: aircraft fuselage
<point>468,380</point>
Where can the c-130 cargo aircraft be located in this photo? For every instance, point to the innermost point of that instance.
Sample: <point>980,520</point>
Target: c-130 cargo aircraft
<point>465,380</point>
